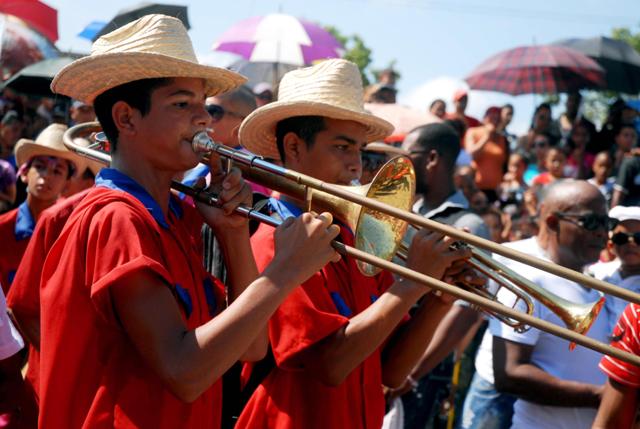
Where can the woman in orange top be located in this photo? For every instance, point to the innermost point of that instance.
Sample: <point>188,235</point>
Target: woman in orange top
<point>489,152</point>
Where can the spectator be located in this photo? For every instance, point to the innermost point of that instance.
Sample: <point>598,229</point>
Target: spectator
<point>433,150</point>
<point>511,190</point>
<point>540,124</point>
<point>579,161</point>
<point>489,151</point>
<point>7,186</point>
<point>506,116</point>
<point>626,190</point>
<point>492,217</point>
<point>602,179</point>
<point>81,112</point>
<point>625,270</point>
<point>460,101</point>
<point>625,139</point>
<point>556,387</point>
<point>464,178</point>
<point>572,115</point>
<point>554,164</point>
<point>438,108</point>
<point>11,127</point>
<point>45,166</point>
<point>540,144</point>
<point>263,93</point>
<point>619,113</point>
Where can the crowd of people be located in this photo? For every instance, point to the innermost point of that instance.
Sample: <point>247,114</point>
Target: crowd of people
<point>131,305</point>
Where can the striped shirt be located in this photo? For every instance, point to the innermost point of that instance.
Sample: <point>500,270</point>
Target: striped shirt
<point>626,337</point>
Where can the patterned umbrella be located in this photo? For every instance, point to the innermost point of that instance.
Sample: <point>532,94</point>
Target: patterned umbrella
<point>20,45</point>
<point>620,61</point>
<point>279,38</point>
<point>38,15</point>
<point>547,69</point>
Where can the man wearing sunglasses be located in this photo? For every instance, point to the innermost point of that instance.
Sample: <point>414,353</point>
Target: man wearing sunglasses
<point>624,271</point>
<point>556,387</point>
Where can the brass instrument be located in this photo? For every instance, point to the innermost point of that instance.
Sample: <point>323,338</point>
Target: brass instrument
<point>323,196</point>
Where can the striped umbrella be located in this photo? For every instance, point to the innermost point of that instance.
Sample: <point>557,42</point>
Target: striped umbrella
<point>546,69</point>
<point>279,38</point>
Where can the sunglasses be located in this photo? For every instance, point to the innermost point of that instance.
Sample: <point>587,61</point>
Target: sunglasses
<point>217,112</point>
<point>622,238</point>
<point>590,221</point>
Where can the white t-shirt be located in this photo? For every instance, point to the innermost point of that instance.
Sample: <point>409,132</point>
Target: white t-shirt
<point>10,340</point>
<point>610,273</point>
<point>484,357</point>
<point>552,354</point>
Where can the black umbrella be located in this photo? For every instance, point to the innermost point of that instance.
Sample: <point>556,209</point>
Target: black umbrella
<point>620,61</point>
<point>36,78</point>
<point>129,14</point>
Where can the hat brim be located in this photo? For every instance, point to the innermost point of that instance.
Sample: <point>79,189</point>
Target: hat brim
<point>27,149</point>
<point>88,77</point>
<point>258,131</point>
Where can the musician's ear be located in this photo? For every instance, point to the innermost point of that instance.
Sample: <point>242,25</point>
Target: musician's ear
<point>124,117</point>
<point>292,144</point>
<point>552,222</point>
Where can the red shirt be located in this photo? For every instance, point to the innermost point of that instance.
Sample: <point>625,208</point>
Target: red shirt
<point>627,334</point>
<point>16,228</point>
<point>91,374</point>
<point>24,296</point>
<point>288,398</point>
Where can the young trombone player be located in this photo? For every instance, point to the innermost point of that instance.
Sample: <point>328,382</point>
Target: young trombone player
<point>339,337</point>
<point>133,329</point>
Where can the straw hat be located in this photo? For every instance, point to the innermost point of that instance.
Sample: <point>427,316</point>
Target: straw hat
<point>154,46</point>
<point>332,89</point>
<point>48,143</point>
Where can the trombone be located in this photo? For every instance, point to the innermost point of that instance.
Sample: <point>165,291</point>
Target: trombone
<point>370,209</point>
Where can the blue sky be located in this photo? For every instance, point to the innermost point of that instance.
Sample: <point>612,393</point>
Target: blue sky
<point>427,39</point>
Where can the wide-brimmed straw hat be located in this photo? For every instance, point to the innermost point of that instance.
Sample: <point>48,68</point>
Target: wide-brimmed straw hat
<point>154,46</point>
<point>331,89</point>
<point>48,143</point>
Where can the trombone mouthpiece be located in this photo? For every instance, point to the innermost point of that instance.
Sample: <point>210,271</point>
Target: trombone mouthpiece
<point>202,143</point>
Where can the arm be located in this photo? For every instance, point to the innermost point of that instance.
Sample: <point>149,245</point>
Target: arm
<point>515,374</point>
<point>28,325</point>
<point>617,197</point>
<point>473,143</point>
<point>451,330</point>
<point>334,358</point>
<point>618,407</point>
<point>189,361</point>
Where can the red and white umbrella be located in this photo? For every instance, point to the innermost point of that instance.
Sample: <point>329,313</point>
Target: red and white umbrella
<point>544,69</point>
<point>279,38</point>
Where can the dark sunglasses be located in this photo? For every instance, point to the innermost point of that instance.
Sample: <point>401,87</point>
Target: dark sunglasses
<point>217,112</point>
<point>622,238</point>
<point>372,161</point>
<point>590,221</point>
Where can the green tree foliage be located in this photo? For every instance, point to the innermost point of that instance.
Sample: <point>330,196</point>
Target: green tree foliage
<point>355,51</point>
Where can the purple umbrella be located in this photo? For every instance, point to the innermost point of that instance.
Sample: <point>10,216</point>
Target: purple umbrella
<point>279,38</point>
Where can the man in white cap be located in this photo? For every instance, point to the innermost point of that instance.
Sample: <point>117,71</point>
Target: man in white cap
<point>132,329</point>
<point>45,166</point>
<point>624,271</point>
<point>619,405</point>
<point>336,339</point>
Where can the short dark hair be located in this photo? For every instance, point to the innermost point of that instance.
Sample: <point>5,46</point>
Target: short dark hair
<point>305,127</point>
<point>136,94</point>
<point>439,137</point>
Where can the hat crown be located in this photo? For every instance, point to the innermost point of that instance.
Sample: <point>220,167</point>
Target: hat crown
<point>153,34</point>
<point>52,136</point>
<point>335,82</point>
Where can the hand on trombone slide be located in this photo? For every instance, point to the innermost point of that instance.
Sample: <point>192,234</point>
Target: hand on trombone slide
<point>438,256</point>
